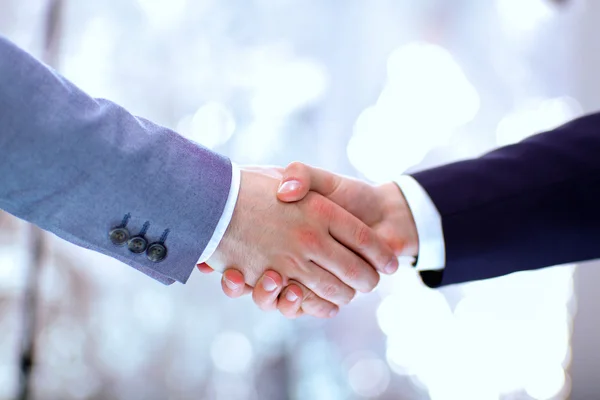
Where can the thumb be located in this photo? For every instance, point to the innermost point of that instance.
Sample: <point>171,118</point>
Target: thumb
<point>298,179</point>
<point>295,183</point>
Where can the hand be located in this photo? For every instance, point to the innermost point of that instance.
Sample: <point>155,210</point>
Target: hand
<point>313,242</point>
<point>382,207</point>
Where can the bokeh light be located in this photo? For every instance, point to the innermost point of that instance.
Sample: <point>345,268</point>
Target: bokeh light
<point>426,98</point>
<point>211,125</point>
<point>369,377</point>
<point>231,352</point>
<point>524,16</point>
<point>163,13</point>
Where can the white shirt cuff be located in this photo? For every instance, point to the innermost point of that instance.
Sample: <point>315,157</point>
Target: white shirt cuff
<point>432,251</point>
<point>223,223</point>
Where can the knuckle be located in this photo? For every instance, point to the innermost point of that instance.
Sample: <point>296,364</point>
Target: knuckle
<point>317,307</point>
<point>310,297</point>
<point>309,238</point>
<point>296,166</point>
<point>329,253</point>
<point>311,285</point>
<point>363,236</point>
<point>290,262</point>
<point>352,272</point>
<point>319,206</point>
<point>329,290</point>
<point>332,183</point>
<point>323,309</point>
<point>294,268</point>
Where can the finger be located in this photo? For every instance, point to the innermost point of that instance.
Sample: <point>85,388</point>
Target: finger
<point>296,295</point>
<point>299,178</point>
<point>290,301</point>
<point>347,266</point>
<point>322,282</point>
<point>358,237</point>
<point>205,268</point>
<point>314,306</point>
<point>267,290</point>
<point>233,284</point>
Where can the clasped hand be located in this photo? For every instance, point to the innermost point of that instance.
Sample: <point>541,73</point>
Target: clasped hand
<point>310,256</point>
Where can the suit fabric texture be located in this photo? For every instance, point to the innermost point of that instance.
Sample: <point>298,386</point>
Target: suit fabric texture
<point>81,167</point>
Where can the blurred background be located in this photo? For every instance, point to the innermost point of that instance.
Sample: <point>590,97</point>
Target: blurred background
<point>369,88</point>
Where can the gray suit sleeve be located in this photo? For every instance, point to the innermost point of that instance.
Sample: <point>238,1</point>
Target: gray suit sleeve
<point>78,167</point>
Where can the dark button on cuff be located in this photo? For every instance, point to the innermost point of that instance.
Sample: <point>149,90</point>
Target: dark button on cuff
<point>156,252</point>
<point>137,244</point>
<point>119,236</point>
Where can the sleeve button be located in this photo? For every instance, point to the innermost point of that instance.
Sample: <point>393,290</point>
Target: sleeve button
<point>119,236</point>
<point>137,244</point>
<point>156,252</point>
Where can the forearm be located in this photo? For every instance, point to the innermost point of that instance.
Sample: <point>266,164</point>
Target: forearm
<point>75,166</point>
<point>526,206</point>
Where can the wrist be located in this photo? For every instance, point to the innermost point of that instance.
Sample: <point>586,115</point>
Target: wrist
<point>401,221</point>
<point>243,236</point>
<point>223,228</point>
<point>228,245</point>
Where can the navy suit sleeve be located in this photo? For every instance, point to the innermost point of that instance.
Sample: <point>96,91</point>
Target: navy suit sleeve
<point>521,207</point>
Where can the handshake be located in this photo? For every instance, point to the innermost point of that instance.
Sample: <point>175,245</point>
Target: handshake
<point>304,240</point>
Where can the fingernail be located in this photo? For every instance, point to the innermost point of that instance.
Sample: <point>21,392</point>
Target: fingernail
<point>333,313</point>
<point>291,296</point>
<point>231,285</point>
<point>391,267</point>
<point>269,284</point>
<point>289,186</point>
